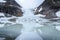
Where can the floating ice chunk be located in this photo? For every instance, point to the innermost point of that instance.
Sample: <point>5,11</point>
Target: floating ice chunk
<point>58,28</point>
<point>58,13</point>
<point>2,14</point>
<point>2,25</point>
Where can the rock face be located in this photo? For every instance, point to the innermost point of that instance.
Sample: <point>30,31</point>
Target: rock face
<point>54,2</point>
<point>10,7</point>
<point>48,8</point>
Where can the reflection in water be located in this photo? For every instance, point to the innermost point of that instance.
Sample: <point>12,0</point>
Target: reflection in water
<point>49,32</point>
<point>34,27</point>
<point>10,31</point>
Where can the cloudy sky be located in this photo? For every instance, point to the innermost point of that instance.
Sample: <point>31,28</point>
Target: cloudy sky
<point>29,4</point>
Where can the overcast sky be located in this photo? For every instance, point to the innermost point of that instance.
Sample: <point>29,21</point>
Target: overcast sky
<point>29,4</point>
